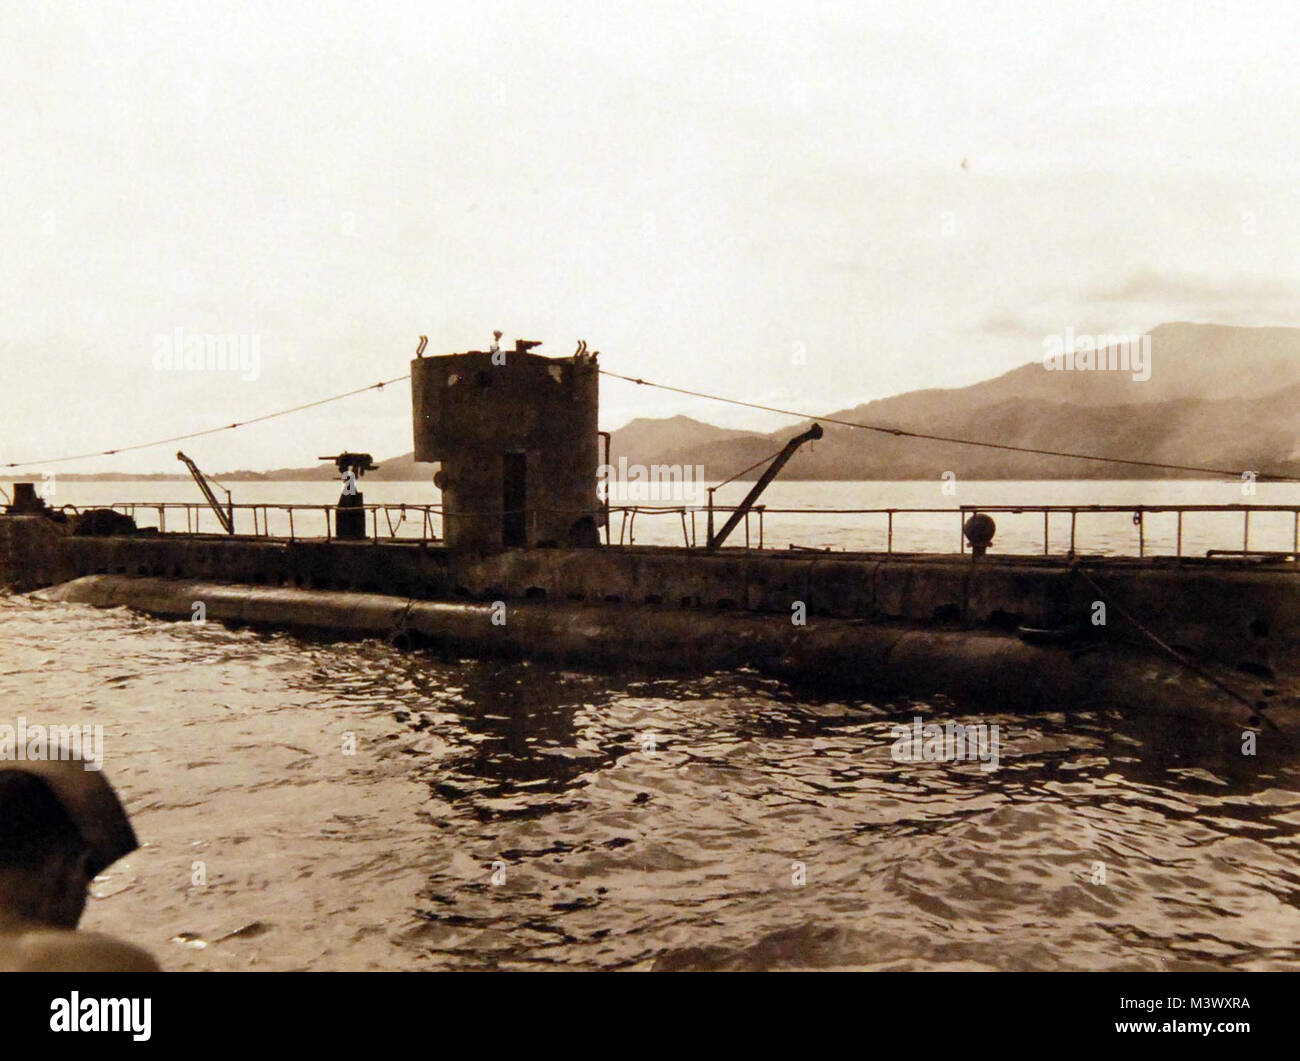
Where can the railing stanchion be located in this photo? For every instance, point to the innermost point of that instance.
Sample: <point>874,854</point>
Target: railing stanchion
<point>259,513</point>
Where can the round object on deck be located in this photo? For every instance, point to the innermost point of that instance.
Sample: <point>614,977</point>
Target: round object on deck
<point>979,531</point>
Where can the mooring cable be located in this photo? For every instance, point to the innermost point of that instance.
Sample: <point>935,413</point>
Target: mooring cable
<point>1255,710</point>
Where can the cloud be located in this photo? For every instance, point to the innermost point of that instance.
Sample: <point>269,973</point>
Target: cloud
<point>1154,286</point>
<point>1004,323</point>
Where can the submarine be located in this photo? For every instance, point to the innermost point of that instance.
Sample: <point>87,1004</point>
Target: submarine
<point>526,566</point>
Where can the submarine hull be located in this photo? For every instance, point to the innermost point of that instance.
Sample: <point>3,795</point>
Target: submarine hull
<point>996,671</point>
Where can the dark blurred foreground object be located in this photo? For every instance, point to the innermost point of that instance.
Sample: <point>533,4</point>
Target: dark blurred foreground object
<point>60,826</point>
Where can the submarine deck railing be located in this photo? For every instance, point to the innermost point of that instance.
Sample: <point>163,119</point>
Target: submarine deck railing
<point>427,514</point>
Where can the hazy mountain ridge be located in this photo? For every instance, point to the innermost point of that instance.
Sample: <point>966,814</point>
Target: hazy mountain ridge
<point>1218,396</point>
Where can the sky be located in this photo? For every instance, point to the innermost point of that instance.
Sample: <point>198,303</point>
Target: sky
<point>807,205</point>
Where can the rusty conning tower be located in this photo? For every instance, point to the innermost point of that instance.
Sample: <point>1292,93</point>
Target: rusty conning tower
<point>516,435</point>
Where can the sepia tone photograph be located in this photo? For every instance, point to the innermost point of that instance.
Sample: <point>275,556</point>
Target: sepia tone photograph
<point>666,487</point>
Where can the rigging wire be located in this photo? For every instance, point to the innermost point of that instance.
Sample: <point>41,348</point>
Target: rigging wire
<point>897,432</point>
<point>903,433</point>
<point>208,431</point>
<point>737,475</point>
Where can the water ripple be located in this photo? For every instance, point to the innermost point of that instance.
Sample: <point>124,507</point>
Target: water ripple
<point>316,805</point>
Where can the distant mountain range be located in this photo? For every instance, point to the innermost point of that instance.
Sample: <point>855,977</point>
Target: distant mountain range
<point>1217,396</point>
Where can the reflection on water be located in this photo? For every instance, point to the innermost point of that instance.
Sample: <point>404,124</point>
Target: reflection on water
<point>508,815</point>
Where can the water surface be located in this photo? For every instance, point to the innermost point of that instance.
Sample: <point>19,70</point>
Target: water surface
<point>634,821</point>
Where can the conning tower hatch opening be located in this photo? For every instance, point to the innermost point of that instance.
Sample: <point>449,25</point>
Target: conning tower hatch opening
<point>514,500</point>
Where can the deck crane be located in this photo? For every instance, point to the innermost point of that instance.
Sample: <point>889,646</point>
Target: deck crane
<point>225,516</point>
<point>742,510</point>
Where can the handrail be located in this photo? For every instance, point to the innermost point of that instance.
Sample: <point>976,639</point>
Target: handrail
<point>399,515</point>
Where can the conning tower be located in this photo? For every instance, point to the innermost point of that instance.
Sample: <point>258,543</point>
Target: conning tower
<point>516,435</point>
